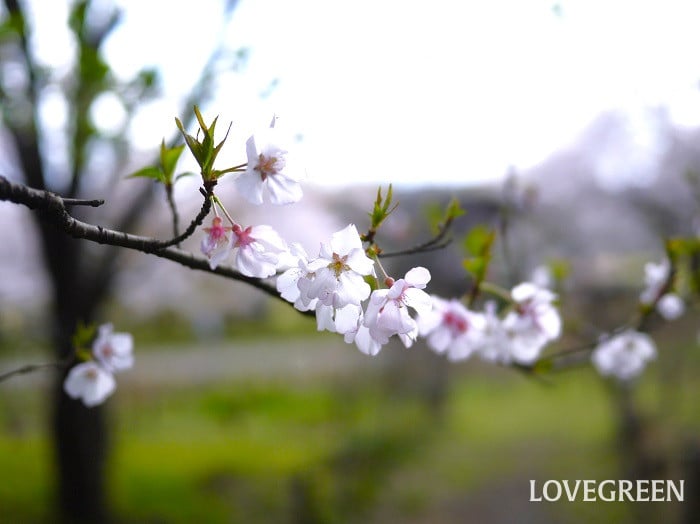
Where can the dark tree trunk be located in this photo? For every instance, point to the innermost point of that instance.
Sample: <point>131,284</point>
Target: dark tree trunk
<point>80,447</point>
<point>79,432</point>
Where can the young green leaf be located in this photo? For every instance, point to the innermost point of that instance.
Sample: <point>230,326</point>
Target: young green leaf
<point>83,336</point>
<point>440,217</point>
<point>382,208</point>
<point>152,172</point>
<point>169,158</point>
<point>478,241</point>
<point>477,267</point>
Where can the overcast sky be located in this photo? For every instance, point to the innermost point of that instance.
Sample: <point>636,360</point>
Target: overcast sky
<point>425,92</point>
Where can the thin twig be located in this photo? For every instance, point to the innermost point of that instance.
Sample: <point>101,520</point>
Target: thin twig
<point>196,222</point>
<point>30,368</point>
<point>439,241</point>
<point>82,202</point>
<point>173,211</point>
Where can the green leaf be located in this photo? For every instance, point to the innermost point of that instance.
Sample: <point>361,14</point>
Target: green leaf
<point>479,240</point>
<point>477,266</point>
<point>169,158</point>
<point>149,172</point>
<point>371,281</point>
<point>216,150</point>
<point>204,151</point>
<point>200,120</point>
<point>183,175</point>
<point>439,216</point>
<point>434,214</point>
<point>454,210</point>
<point>382,207</point>
<point>560,269</point>
<point>83,336</point>
<point>192,142</point>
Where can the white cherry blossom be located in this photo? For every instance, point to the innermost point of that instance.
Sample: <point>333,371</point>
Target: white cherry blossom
<point>338,320</point>
<point>624,355</point>
<point>655,277</point>
<point>336,277</point>
<point>387,311</point>
<point>669,305</point>
<point>218,242</point>
<point>451,328</point>
<point>89,382</point>
<point>363,340</point>
<point>294,265</point>
<point>267,173</point>
<point>257,250</point>
<point>494,345</point>
<point>113,350</point>
<point>533,322</point>
<point>351,324</point>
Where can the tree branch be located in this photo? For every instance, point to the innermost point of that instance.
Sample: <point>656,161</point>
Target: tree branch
<point>82,202</point>
<point>52,210</point>
<point>439,241</point>
<point>26,137</point>
<point>30,368</point>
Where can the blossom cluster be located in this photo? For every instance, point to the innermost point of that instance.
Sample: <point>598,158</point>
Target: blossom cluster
<point>625,355</point>
<point>334,285</point>
<point>340,283</point>
<point>656,277</point>
<point>531,322</point>
<point>93,381</point>
<point>256,249</point>
<point>335,282</point>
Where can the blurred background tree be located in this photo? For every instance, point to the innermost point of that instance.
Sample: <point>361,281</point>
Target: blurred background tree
<point>73,159</point>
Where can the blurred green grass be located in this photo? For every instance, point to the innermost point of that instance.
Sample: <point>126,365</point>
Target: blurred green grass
<point>356,449</point>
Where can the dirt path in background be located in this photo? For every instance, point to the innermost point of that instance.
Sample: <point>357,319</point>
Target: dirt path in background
<point>295,359</point>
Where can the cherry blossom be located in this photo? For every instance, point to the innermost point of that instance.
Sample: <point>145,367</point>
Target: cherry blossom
<point>113,350</point>
<point>655,277</point>
<point>92,381</point>
<point>336,277</point>
<point>257,250</point>
<point>294,265</point>
<point>494,345</point>
<point>451,328</point>
<point>360,335</point>
<point>533,322</point>
<point>267,172</point>
<point>338,320</point>
<point>624,355</point>
<point>217,245</point>
<point>669,305</point>
<point>387,311</point>
<point>89,382</point>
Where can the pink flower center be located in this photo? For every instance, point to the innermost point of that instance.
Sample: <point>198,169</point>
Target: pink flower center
<point>91,374</point>
<point>243,237</point>
<point>216,232</point>
<point>456,323</point>
<point>267,165</point>
<point>107,351</point>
